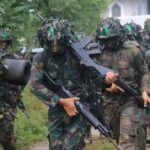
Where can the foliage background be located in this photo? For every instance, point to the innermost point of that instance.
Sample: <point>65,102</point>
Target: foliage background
<point>19,16</point>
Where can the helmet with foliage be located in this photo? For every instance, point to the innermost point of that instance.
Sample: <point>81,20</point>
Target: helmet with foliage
<point>55,29</point>
<point>132,30</point>
<point>128,29</point>
<point>5,40</point>
<point>146,35</point>
<point>147,25</point>
<point>5,36</point>
<point>108,28</point>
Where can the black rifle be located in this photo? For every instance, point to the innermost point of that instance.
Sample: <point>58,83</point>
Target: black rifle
<point>51,84</point>
<point>80,49</point>
<point>20,104</point>
<point>17,99</point>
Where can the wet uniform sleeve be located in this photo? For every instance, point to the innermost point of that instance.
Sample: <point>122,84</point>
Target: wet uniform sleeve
<point>37,73</point>
<point>142,70</point>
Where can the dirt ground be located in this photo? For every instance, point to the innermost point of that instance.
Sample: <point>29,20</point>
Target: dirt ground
<point>44,146</point>
<point>97,142</point>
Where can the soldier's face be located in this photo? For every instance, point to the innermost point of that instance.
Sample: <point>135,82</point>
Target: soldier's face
<point>55,46</point>
<point>109,44</point>
<point>3,46</point>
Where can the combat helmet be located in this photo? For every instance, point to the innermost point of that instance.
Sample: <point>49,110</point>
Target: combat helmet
<point>5,36</point>
<point>54,29</point>
<point>108,28</point>
<point>132,31</point>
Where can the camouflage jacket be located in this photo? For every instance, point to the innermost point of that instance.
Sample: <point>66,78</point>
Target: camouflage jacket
<point>129,63</point>
<point>72,76</point>
<point>9,93</point>
<point>146,42</point>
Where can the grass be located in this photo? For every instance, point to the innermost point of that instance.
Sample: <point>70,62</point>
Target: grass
<point>100,144</point>
<point>33,129</point>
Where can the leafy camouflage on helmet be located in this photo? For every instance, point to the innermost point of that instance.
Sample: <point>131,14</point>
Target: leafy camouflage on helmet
<point>55,29</point>
<point>108,28</point>
<point>147,25</point>
<point>128,29</point>
<point>132,29</point>
<point>5,36</point>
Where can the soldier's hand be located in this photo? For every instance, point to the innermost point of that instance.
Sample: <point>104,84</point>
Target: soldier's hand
<point>146,98</point>
<point>69,105</point>
<point>114,88</point>
<point>110,77</point>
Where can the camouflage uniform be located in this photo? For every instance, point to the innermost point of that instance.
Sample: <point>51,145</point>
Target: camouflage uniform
<point>64,132</point>
<point>7,104</point>
<point>8,113</point>
<point>145,42</point>
<point>121,109</point>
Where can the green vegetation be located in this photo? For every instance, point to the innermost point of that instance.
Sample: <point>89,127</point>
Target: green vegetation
<point>20,16</point>
<point>35,128</point>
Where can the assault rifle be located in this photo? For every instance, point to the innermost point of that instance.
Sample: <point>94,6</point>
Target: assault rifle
<point>16,100</point>
<point>20,104</point>
<point>80,50</point>
<point>51,84</point>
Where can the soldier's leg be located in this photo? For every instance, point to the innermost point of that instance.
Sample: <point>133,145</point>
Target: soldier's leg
<point>65,134</point>
<point>112,117</point>
<point>142,137</point>
<point>74,134</point>
<point>88,135</point>
<point>130,129</point>
<point>55,127</point>
<point>9,139</point>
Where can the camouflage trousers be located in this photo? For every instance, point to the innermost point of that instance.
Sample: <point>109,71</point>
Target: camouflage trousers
<point>65,133</point>
<point>125,123</point>
<point>7,137</point>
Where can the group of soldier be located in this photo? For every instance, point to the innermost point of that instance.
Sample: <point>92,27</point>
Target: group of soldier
<point>124,49</point>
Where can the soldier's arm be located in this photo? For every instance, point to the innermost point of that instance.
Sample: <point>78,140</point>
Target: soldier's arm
<point>144,72</point>
<point>37,73</point>
<point>142,69</point>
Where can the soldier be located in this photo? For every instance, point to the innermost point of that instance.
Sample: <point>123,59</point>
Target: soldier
<point>121,109</point>
<point>146,42</point>
<point>64,68</point>
<point>7,100</point>
<point>133,31</point>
